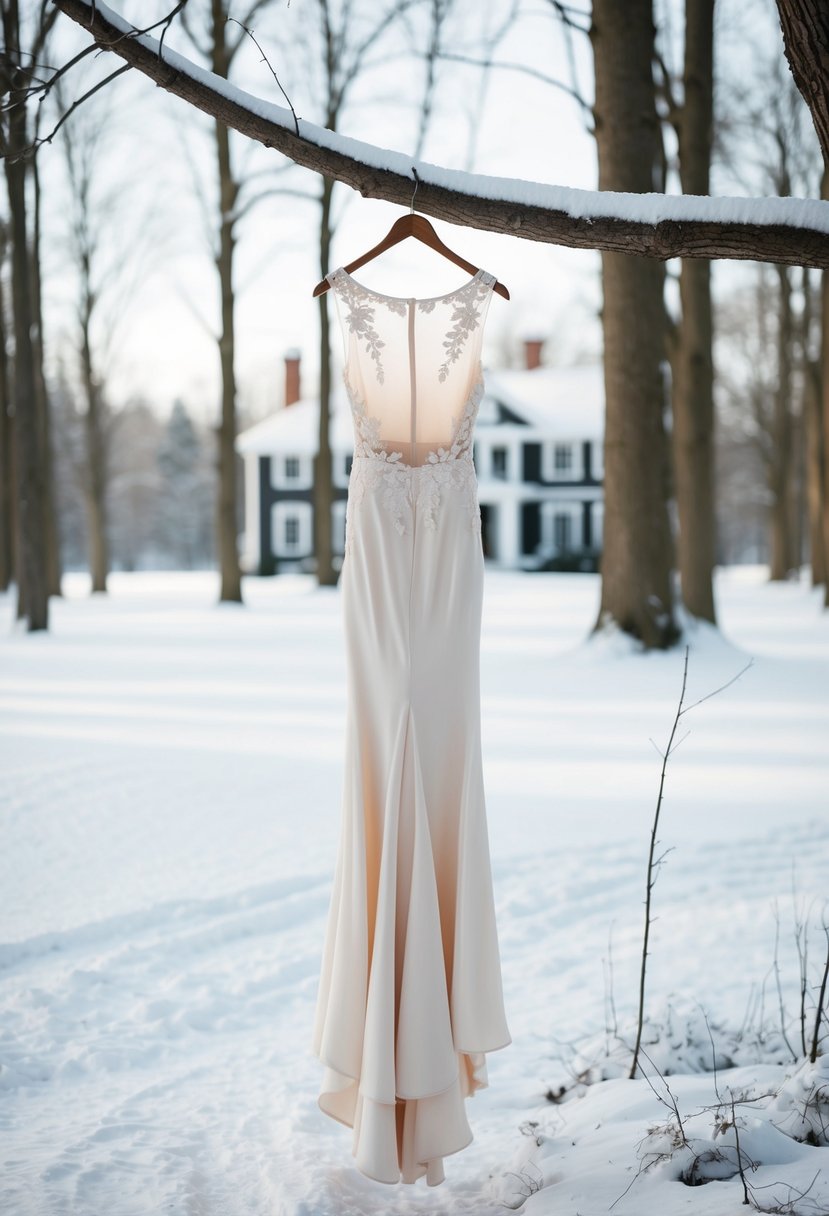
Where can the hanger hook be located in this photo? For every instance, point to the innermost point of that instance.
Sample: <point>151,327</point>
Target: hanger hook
<point>414,192</point>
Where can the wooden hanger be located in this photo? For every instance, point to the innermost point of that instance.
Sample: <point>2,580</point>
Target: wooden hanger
<point>420,228</point>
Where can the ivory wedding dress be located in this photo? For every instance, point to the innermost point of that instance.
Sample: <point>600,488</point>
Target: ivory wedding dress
<point>410,995</point>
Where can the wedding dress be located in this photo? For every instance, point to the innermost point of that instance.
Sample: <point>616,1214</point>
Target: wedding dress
<point>410,994</point>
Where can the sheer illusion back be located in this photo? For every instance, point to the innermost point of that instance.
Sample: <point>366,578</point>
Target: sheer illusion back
<point>410,996</point>
<point>423,361</point>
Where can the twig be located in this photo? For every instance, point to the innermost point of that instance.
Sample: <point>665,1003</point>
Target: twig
<point>779,985</point>
<point>713,1052</point>
<point>727,684</point>
<point>739,1154</point>
<point>821,998</point>
<point>100,44</point>
<point>673,1103</point>
<point>651,863</point>
<point>649,884</point>
<point>270,65</point>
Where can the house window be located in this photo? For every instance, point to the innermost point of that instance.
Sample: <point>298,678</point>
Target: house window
<point>349,460</point>
<point>291,531</point>
<point>499,463</point>
<point>291,468</point>
<point>562,531</point>
<point>563,458</point>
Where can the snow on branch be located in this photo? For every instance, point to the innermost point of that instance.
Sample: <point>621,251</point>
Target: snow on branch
<point>784,230</point>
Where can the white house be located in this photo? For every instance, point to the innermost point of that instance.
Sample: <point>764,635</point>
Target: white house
<point>538,460</point>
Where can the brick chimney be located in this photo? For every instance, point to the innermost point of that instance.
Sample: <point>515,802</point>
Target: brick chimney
<point>291,376</point>
<point>532,353</point>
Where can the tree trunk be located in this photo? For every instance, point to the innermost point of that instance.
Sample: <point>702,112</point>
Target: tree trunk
<point>33,595</point>
<point>44,408</point>
<point>96,478</point>
<point>636,560</point>
<point>812,433</point>
<point>226,520</point>
<point>805,25</point>
<point>824,386</point>
<point>782,557</point>
<point>815,489</point>
<point>693,389</point>
<point>6,437</point>
<point>326,574</point>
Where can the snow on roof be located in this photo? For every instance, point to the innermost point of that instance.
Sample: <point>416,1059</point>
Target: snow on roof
<point>561,402</point>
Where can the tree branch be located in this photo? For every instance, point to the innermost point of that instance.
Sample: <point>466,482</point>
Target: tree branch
<point>790,231</point>
<point>525,68</point>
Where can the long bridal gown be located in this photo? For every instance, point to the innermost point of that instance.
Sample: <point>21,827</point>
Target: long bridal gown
<point>410,995</point>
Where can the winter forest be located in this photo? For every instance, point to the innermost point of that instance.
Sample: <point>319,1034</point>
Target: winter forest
<point>648,181</point>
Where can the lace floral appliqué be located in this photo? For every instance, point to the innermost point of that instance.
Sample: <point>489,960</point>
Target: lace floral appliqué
<point>360,315</point>
<point>373,465</point>
<point>465,317</point>
<point>453,466</point>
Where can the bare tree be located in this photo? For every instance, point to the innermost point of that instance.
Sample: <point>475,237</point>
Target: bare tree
<point>81,143</point>
<point>6,432</point>
<point>747,359</point>
<point>218,42</point>
<point>813,438</point>
<point>44,404</point>
<point>824,405</point>
<point>788,167</point>
<point>18,66</point>
<point>787,172</point>
<point>636,559</point>
<point>805,25</point>
<point>692,397</point>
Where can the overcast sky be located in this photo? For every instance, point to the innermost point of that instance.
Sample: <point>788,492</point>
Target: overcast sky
<point>156,188</point>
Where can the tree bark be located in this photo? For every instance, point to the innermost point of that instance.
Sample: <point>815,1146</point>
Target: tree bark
<point>323,547</point>
<point>95,481</point>
<point>94,476</point>
<point>693,388</point>
<point>33,595</point>
<point>782,558</point>
<point>815,489</point>
<point>805,25</point>
<point>812,432</point>
<point>6,436</point>
<point>824,378</point>
<point>636,559</point>
<point>44,405</point>
<point>226,519</point>
<point>498,205</point>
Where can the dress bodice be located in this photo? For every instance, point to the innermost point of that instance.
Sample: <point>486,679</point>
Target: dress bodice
<point>414,381</point>
<point>412,367</point>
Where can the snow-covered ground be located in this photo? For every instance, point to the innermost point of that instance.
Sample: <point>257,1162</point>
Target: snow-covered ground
<point>170,777</point>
